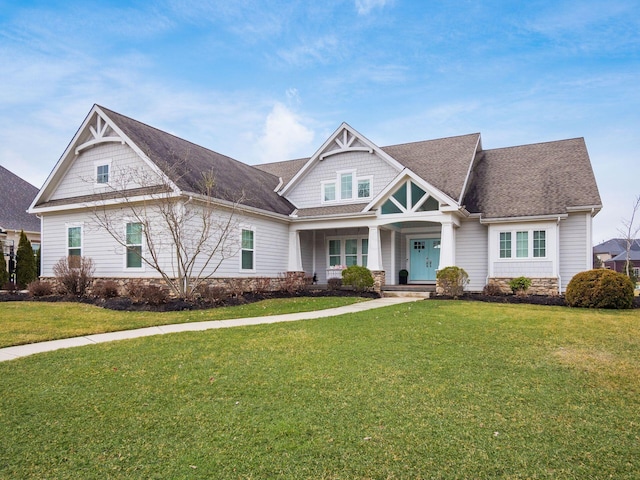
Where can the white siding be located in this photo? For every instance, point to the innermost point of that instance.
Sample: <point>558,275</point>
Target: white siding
<point>127,170</point>
<point>271,247</point>
<point>528,267</point>
<point>308,193</point>
<point>575,246</point>
<point>472,253</point>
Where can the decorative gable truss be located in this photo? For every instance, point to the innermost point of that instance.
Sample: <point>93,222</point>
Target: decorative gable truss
<point>410,194</point>
<point>100,132</point>
<point>345,141</point>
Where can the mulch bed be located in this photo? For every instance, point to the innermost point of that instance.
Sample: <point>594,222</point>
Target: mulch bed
<point>173,305</point>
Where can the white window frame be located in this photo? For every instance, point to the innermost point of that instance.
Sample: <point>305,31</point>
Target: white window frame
<point>102,163</point>
<point>253,250</point>
<point>125,267</point>
<point>68,227</point>
<point>514,244</point>
<point>343,245</point>
<point>337,185</point>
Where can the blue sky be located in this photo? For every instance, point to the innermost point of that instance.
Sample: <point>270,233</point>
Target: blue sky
<point>270,80</point>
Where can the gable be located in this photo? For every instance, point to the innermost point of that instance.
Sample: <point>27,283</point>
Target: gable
<point>345,140</point>
<point>181,164</point>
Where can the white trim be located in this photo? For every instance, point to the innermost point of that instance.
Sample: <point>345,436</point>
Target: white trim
<point>125,268</point>
<point>69,155</point>
<point>315,158</point>
<point>532,218</point>
<point>69,225</point>
<point>253,250</point>
<point>102,163</point>
<point>337,183</point>
<point>404,176</point>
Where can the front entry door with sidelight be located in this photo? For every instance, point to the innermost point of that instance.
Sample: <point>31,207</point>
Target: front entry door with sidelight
<point>424,259</point>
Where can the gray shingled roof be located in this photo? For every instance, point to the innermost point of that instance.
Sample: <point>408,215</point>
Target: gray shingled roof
<point>538,179</point>
<point>615,246</point>
<point>285,170</point>
<point>185,162</point>
<point>443,162</point>
<point>331,210</point>
<point>16,196</point>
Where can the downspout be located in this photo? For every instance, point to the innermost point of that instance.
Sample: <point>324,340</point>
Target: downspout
<point>558,256</point>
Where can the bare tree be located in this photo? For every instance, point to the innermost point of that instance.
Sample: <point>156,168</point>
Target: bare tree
<point>629,232</point>
<point>184,237</point>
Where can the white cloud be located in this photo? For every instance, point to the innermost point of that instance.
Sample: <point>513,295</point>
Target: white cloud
<point>321,50</point>
<point>284,137</point>
<point>365,6</point>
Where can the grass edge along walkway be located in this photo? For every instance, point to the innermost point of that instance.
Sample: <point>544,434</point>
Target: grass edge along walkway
<point>11,353</point>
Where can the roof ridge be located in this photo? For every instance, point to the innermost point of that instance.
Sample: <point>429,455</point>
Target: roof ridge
<point>164,132</point>
<point>431,140</point>
<point>533,144</point>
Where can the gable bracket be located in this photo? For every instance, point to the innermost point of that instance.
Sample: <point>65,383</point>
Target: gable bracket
<point>99,135</point>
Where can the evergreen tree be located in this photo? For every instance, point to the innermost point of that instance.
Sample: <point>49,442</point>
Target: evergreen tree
<point>26,270</point>
<point>4,273</point>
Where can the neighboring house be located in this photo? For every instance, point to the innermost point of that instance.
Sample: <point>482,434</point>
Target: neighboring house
<point>16,196</point>
<point>421,206</point>
<point>613,254</point>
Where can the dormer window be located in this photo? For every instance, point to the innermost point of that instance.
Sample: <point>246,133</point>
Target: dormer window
<point>347,187</point>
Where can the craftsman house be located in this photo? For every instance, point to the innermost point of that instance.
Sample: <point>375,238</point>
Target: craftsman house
<point>422,206</point>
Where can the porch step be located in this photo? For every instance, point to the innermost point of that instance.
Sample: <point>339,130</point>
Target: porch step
<point>415,291</point>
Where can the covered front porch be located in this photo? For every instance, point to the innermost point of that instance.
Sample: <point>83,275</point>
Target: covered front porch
<point>399,252</point>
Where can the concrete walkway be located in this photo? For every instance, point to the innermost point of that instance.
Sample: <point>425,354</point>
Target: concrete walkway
<point>10,353</point>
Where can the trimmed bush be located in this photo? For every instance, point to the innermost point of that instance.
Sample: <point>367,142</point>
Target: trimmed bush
<point>105,289</point>
<point>520,285</point>
<point>452,281</point>
<point>358,277</point>
<point>334,283</point>
<point>600,288</point>
<point>39,289</point>
<point>492,290</point>
<point>74,274</point>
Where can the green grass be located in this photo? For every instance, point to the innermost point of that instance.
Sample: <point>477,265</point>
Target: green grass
<point>29,322</point>
<point>435,389</point>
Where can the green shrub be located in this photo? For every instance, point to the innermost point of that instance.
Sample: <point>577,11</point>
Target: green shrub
<point>26,268</point>
<point>452,281</point>
<point>520,285</point>
<point>358,277</point>
<point>600,288</point>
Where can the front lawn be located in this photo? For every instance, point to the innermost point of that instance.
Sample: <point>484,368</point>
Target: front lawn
<point>29,322</point>
<point>434,389</point>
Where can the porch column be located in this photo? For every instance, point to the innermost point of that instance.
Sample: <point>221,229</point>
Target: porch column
<point>447,245</point>
<point>374,260</point>
<point>295,257</point>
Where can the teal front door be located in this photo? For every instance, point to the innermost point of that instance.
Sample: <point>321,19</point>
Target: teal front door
<point>424,258</point>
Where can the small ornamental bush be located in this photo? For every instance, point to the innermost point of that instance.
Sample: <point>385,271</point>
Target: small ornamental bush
<point>74,274</point>
<point>334,283</point>
<point>600,288</point>
<point>211,293</point>
<point>358,277</point>
<point>39,289</point>
<point>452,281</point>
<point>105,289</point>
<point>492,290</point>
<point>520,285</point>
